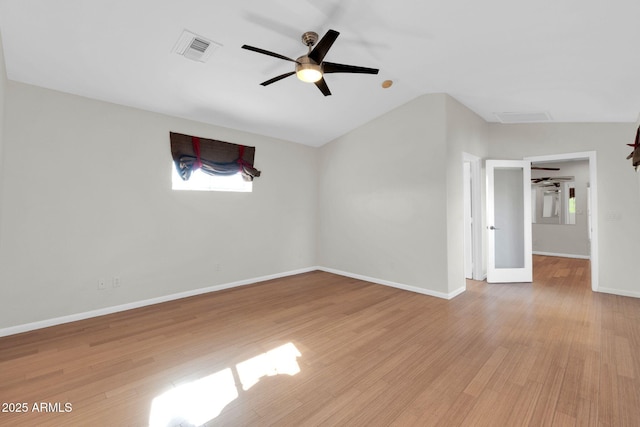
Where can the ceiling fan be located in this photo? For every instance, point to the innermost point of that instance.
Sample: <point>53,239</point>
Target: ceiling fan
<point>544,168</point>
<point>311,67</point>
<point>551,180</point>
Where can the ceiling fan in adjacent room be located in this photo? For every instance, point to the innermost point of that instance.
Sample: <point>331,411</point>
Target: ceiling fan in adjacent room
<point>311,67</point>
<point>541,168</point>
<point>551,180</point>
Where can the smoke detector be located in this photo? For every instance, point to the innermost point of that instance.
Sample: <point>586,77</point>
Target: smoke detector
<point>195,47</point>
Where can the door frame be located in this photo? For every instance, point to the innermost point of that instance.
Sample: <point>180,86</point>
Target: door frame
<point>468,221</point>
<point>477,241</point>
<point>590,156</point>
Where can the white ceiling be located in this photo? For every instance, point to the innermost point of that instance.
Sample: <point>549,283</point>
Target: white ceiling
<point>574,59</point>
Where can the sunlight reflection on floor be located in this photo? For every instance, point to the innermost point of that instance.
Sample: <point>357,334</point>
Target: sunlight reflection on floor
<point>280,360</point>
<point>204,399</point>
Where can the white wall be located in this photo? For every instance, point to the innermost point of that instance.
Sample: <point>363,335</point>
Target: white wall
<point>3,86</point>
<point>637,170</point>
<point>564,239</point>
<point>382,198</point>
<point>391,195</point>
<point>618,195</point>
<point>466,132</point>
<point>87,195</point>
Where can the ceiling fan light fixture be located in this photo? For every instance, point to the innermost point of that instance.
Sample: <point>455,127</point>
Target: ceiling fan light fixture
<point>309,73</point>
<point>308,70</point>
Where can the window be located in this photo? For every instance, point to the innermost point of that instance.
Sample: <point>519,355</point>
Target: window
<point>200,181</point>
<point>211,165</point>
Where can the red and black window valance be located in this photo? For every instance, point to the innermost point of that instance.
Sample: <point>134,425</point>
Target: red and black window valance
<point>211,156</point>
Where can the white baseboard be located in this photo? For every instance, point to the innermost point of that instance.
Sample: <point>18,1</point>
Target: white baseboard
<point>12,330</point>
<point>634,294</point>
<point>562,255</point>
<point>483,276</point>
<point>452,295</point>
<point>129,306</point>
<point>395,284</point>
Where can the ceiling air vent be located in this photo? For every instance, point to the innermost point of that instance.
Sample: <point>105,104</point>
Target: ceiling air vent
<point>195,47</point>
<point>535,117</point>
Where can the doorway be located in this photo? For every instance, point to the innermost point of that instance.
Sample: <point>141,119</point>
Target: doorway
<point>592,208</point>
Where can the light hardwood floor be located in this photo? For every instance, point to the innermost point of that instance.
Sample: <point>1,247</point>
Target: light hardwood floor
<point>541,354</point>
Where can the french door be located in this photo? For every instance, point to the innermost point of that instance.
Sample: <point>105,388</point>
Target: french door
<point>509,256</point>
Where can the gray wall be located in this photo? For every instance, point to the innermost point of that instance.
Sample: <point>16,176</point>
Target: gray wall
<point>564,239</point>
<point>87,195</point>
<point>618,193</point>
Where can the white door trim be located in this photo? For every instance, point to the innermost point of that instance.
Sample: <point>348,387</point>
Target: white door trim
<point>593,182</point>
<point>468,221</point>
<point>477,215</point>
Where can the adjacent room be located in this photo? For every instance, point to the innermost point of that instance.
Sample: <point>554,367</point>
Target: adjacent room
<point>288,213</point>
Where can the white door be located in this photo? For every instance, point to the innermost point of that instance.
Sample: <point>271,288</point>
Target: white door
<point>509,221</point>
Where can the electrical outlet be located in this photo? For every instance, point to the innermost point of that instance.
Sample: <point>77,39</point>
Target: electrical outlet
<point>613,216</point>
<point>102,285</point>
<point>116,282</point>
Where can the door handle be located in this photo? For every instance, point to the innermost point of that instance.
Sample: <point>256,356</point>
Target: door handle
<point>491,227</point>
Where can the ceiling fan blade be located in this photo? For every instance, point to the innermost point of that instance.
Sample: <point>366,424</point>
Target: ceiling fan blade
<point>275,79</point>
<point>544,169</point>
<point>266,52</point>
<point>320,50</point>
<point>553,178</point>
<point>322,85</point>
<point>330,67</point>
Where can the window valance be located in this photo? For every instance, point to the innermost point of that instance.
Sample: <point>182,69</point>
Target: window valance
<point>211,156</point>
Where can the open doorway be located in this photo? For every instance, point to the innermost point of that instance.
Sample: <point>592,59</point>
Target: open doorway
<point>560,209</point>
<point>551,207</point>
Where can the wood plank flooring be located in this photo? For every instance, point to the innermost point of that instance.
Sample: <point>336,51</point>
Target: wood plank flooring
<point>551,353</point>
